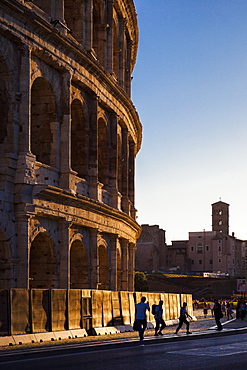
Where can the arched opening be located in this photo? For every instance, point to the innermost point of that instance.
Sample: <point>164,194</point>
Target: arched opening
<point>5,263</point>
<point>103,153</point>
<point>103,268</point>
<point>78,266</point>
<point>119,268</point>
<point>79,139</point>
<point>43,265</point>
<point>4,102</point>
<point>43,112</point>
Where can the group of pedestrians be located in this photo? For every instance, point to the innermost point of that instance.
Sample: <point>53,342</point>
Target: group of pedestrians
<point>218,311</point>
<point>157,311</point>
<point>226,309</point>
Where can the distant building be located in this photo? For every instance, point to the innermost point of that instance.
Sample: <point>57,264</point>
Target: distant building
<point>216,250</point>
<point>204,251</point>
<point>177,258</point>
<point>151,249</point>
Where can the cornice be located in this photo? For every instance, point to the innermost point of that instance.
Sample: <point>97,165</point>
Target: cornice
<point>58,195</point>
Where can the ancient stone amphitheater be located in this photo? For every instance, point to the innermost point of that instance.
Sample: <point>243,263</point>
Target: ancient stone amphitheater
<point>69,135</point>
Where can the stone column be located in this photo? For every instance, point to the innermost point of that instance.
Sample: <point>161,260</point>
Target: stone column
<point>66,132</point>
<point>125,263</point>
<point>25,100</point>
<point>23,250</point>
<point>121,76</point>
<point>94,259</point>
<point>113,161</point>
<point>125,171</point>
<point>113,259</point>
<point>109,36</point>
<point>55,144</point>
<point>132,178</point>
<point>131,278</point>
<point>89,25</point>
<point>128,68</point>
<point>57,15</point>
<point>93,148</point>
<point>64,273</point>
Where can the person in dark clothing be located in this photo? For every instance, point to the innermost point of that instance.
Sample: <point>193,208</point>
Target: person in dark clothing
<point>238,311</point>
<point>183,319</point>
<point>217,314</point>
<point>140,316</point>
<point>160,323</point>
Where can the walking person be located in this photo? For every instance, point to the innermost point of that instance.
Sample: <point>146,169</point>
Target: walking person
<point>183,319</point>
<point>217,314</point>
<point>212,308</point>
<point>160,323</point>
<point>243,310</point>
<point>229,310</point>
<point>140,316</point>
<point>223,309</point>
<point>205,309</point>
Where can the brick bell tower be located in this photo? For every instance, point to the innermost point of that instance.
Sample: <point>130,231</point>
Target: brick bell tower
<point>220,217</point>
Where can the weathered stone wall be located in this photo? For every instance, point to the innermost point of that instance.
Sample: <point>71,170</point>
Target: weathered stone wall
<point>37,310</point>
<point>69,137</point>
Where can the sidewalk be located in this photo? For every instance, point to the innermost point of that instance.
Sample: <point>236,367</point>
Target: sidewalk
<point>200,327</point>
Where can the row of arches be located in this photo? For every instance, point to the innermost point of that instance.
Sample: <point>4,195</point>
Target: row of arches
<point>44,115</point>
<point>44,265</point>
<point>100,27</point>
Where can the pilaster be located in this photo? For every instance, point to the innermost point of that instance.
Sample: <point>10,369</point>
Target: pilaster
<point>94,259</point>
<point>23,250</point>
<point>131,277</point>
<point>93,149</point>
<point>65,229</point>
<point>125,263</point>
<point>25,100</point>
<point>113,259</point>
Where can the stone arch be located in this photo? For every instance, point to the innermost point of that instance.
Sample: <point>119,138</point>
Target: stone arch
<point>79,139</point>
<point>5,262</point>
<point>43,113</point>
<point>103,267</point>
<point>4,101</point>
<point>43,263</point>
<point>79,269</point>
<point>103,152</point>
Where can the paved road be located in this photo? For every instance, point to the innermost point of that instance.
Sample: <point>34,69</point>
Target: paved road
<point>219,352</point>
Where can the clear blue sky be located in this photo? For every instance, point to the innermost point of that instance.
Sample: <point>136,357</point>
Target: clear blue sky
<point>190,90</point>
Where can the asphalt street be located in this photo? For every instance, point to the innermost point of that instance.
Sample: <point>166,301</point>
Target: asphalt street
<point>205,349</point>
<point>225,352</point>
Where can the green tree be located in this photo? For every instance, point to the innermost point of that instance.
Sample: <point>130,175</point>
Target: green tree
<point>141,284</point>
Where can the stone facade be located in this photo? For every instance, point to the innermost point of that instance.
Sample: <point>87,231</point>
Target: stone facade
<point>151,249</point>
<point>176,258</point>
<point>69,136</point>
<point>216,250</point>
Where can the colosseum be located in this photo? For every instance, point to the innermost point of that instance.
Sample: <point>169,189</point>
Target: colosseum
<point>69,136</point>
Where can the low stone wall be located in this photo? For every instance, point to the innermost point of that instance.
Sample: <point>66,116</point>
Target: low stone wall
<point>25,311</point>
